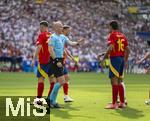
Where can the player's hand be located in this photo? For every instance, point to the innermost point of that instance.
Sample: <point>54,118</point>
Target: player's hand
<point>59,64</point>
<point>102,63</point>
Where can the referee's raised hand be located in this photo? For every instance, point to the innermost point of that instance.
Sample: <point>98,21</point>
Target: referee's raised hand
<point>80,41</point>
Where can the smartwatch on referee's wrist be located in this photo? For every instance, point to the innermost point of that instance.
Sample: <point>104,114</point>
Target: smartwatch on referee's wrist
<point>56,60</point>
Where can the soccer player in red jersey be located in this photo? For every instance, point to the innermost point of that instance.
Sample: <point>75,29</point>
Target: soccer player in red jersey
<point>43,56</point>
<point>118,52</point>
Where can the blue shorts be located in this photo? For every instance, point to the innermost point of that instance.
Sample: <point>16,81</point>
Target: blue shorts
<point>65,70</point>
<point>46,68</point>
<point>116,67</point>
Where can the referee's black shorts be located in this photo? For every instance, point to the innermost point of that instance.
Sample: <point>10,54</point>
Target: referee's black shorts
<point>57,71</point>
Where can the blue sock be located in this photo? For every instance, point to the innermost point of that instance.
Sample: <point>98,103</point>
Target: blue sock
<point>54,93</point>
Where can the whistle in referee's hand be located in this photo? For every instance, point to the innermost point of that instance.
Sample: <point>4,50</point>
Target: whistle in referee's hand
<point>59,64</point>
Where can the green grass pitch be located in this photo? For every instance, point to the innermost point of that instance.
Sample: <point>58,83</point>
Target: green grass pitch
<point>91,92</point>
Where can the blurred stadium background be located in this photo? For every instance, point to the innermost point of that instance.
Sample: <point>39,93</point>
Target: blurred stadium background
<point>19,27</point>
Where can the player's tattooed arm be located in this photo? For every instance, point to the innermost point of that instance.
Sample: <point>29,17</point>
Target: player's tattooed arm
<point>37,51</point>
<point>69,55</point>
<point>106,54</point>
<point>127,52</point>
<point>110,48</point>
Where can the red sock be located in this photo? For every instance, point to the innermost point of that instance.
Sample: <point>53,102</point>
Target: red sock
<point>51,88</point>
<point>65,87</point>
<point>121,93</point>
<point>114,93</point>
<point>40,89</point>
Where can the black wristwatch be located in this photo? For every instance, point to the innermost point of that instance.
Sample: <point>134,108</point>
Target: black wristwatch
<point>56,60</point>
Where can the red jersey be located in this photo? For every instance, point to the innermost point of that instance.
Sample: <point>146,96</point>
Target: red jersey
<point>119,41</point>
<point>44,54</point>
